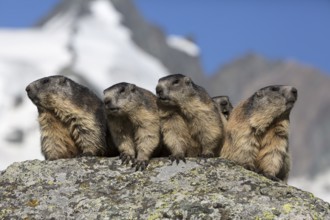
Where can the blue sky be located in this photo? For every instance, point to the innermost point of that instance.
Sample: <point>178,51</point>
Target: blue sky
<point>223,29</point>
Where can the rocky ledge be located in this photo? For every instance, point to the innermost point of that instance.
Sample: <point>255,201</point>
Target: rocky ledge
<point>102,188</point>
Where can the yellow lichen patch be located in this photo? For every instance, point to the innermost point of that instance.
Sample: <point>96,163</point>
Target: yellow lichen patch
<point>155,216</point>
<point>33,203</point>
<point>268,216</point>
<point>5,212</point>
<point>311,195</point>
<point>161,163</point>
<point>287,208</point>
<point>84,185</point>
<point>194,171</point>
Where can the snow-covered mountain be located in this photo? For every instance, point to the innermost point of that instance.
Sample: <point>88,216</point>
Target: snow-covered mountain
<point>85,40</point>
<point>102,42</point>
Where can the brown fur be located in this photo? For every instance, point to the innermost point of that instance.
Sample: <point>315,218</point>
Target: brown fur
<point>175,134</point>
<point>190,123</point>
<point>133,121</point>
<point>71,118</point>
<point>257,132</point>
<point>55,139</point>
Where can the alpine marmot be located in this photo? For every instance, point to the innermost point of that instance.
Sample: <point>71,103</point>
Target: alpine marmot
<point>133,121</point>
<point>71,117</point>
<point>258,130</point>
<point>190,123</point>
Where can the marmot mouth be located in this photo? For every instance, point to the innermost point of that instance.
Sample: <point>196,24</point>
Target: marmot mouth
<point>113,109</point>
<point>163,99</point>
<point>33,98</point>
<point>290,103</point>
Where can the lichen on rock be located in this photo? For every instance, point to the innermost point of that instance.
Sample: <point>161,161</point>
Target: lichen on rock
<point>102,188</point>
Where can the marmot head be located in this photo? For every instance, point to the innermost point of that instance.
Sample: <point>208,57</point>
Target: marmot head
<point>122,98</point>
<point>174,89</point>
<point>276,98</point>
<point>42,91</point>
<point>224,104</point>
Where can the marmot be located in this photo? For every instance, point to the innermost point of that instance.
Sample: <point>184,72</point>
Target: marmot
<point>224,105</point>
<point>258,130</point>
<point>71,117</point>
<point>133,121</point>
<point>190,123</point>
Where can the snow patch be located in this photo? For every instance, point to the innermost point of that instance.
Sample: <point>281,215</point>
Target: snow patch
<point>106,53</point>
<point>183,44</point>
<point>44,50</point>
<point>25,56</point>
<point>319,186</point>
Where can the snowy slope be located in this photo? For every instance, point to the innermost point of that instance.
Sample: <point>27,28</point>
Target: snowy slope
<point>25,56</point>
<point>96,46</point>
<point>108,48</point>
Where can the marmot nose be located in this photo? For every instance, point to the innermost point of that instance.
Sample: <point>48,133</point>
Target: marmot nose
<point>28,89</point>
<point>294,92</point>
<point>159,91</point>
<point>224,103</point>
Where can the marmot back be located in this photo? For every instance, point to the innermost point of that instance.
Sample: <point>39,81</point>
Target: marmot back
<point>133,119</point>
<point>258,130</point>
<point>71,118</point>
<point>190,122</point>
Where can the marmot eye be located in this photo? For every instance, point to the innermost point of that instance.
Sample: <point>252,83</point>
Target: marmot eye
<point>273,88</point>
<point>175,82</point>
<point>122,90</point>
<point>223,102</point>
<point>44,81</point>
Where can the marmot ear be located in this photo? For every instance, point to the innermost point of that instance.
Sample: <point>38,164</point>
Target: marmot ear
<point>259,94</point>
<point>132,87</point>
<point>187,80</point>
<point>63,80</point>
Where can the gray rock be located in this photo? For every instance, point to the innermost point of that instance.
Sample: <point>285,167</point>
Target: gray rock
<point>102,188</point>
